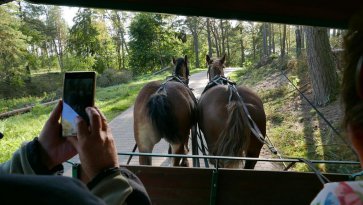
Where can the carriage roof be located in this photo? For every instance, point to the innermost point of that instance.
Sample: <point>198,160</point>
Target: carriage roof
<point>335,14</point>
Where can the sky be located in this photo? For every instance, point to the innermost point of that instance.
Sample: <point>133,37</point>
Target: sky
<point>68,14</point>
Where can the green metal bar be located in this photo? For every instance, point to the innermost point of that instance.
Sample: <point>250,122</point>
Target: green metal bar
<point>75,170</point>
<point>214,186</point>
<point>238,158</point>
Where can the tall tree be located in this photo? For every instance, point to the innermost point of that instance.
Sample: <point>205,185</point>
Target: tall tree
<point>283,42</point>
<point>273,45</point>
<point>254,40</point>
<point>264,37</point>
<point>227,33</point>
<point>149,33</point>
<point>57,31</point>
<point>90,41</point>
<point>223,36</point>
<point>321,67</point>
<point>242,44</point>
<point>298,41</point>
<point>118,18</point>
<point>215,33</point>
<point>12,53</point>
<point>193,24</point>
<point>35,29</point>
<point>210,50</point>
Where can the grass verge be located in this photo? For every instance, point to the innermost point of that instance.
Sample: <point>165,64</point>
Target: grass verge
<point>293,126</point>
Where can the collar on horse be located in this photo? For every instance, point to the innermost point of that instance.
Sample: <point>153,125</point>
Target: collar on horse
<point>218,80</point>
<point>175,78</point>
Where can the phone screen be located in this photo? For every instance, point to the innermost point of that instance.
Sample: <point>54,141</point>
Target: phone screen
<point>78,93</point>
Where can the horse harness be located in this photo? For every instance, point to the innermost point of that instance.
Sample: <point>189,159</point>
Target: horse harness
<point>232,88</point>
<point>176,78</point>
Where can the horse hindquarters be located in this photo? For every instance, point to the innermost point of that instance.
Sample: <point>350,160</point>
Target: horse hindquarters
<point>170,115</point>
<point>235,137</point>
<point>145,134</point>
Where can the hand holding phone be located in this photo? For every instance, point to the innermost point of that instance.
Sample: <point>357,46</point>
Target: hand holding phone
<point>78,93</point>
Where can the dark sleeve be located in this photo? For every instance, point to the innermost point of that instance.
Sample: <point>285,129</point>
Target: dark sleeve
<point>33,150</point>
<point>44,190</point>
<point>139,194</point>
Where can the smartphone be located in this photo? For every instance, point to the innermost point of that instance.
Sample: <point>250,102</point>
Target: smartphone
<point>78,93</point>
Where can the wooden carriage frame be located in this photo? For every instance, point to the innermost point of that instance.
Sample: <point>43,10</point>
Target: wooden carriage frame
<point>170,185</point>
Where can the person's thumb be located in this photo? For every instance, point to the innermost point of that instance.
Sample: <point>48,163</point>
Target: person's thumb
<point>82,128</point>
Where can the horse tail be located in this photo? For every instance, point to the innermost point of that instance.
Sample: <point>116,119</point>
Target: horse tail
<point>162,117</point>
<point>235,137</point>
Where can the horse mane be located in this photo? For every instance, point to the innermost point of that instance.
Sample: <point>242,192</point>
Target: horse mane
<point>179,65</point>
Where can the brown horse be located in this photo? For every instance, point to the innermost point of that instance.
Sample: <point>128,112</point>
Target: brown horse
<point>166,110</point>
<point>227,129</point>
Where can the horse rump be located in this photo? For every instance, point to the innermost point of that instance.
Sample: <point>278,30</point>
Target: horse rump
<point>235,137</point>
<point>162,117</point>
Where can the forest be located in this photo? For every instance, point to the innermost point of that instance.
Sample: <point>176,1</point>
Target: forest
<point>38,45</point>
<point>36,39</point>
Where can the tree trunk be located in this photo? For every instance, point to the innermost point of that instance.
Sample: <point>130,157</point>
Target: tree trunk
<point>302,37</point>
<point>223,50</point>
<point>209,39</point>
<point>321,67</point>
<point>227,42</point>
<point>215,34</point>
<point>287,40</point>
<point>298,41</point>
<point>196,48</point>
<point>264,40</point>
<point>273,39</point>
<point>269,39</point>
<point>242,46</point>
<point>283,42</point>
<point>253,43</point>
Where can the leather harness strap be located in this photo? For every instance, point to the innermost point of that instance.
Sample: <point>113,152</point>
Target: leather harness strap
<point>221,80</point>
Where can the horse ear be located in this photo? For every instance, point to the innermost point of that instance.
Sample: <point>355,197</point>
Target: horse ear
<point>186,59</point>
<point>207,58</point>
<point>174,61</point>
<point>223,59</point>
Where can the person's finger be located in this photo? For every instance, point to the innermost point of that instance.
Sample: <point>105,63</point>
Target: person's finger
<point>73,141</point>
<point>94,118</point>
<point>57,112</point>
<point>82,128</point>
<point>103,119</point>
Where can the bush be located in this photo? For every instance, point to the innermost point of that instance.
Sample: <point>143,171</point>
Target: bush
<point>75,63</point>
<point>113,77</point>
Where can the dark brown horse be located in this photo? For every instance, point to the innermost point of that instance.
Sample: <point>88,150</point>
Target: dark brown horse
<point>166,110</point>
<point>227,129</point>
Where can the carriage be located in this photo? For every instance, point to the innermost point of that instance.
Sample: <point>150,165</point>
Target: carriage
<point>178,185</point>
